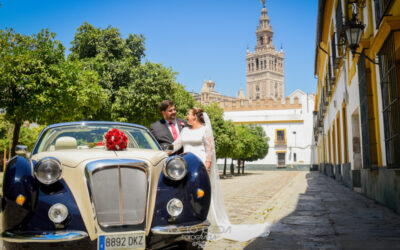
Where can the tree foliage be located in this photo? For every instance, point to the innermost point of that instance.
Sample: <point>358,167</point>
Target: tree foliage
<point>138,102</point>
<point>37,83</point>
<point>135,89</point>
<point>224,132</point>
<point>240,142</point>
<point>260,142</point>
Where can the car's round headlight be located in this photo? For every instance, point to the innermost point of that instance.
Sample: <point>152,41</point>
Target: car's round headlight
<point>174,207</point>
<point>48,170</point>
<point>58,213</point>
<point>176,168</point>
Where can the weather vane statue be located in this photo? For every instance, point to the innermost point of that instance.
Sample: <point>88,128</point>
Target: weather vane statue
<point>263,3</point>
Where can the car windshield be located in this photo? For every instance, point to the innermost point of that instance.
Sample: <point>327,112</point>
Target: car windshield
<point>91,136</point>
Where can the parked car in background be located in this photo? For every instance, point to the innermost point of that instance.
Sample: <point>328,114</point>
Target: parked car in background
<point>71,191</point>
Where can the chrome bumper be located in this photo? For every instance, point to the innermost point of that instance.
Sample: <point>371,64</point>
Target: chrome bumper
<point>43,236</point>
<point>173,229</point>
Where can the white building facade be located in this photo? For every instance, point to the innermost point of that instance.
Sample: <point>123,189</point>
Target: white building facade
<point>288,127</point>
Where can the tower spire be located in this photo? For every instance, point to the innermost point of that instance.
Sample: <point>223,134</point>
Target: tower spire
<point>263,3</point>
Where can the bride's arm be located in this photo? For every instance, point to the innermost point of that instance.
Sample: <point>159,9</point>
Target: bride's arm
<point>208,141</point>
<point>178,142</point>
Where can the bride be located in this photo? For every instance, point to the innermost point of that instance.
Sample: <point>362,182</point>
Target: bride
<point>199,140</point>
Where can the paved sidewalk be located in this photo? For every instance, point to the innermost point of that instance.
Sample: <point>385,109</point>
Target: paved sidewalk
<point>316,212</point>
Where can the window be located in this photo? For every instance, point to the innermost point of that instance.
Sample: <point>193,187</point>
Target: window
<point>339,19</point>
<point>345,149</point>
<point>364,116</point>
<point>381,6</point>
<point>294,157</point>
<point>389,69</point>
<point>281,159</point>
<point>280,136</point>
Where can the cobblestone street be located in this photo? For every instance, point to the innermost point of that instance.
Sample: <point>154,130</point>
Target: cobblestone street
<point>308,211</point>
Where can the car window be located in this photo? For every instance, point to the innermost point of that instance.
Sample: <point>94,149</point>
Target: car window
<point>91,136</point>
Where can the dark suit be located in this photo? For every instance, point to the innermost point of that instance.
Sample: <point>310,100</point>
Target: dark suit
<point>161,132</point>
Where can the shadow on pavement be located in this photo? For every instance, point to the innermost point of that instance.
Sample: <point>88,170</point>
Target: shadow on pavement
<point>331,216</point>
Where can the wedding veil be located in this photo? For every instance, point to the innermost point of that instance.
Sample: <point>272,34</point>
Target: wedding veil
<point>221,227</point>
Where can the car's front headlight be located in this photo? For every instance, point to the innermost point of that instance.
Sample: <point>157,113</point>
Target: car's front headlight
<point>176,168</point>
<point>48,170</point>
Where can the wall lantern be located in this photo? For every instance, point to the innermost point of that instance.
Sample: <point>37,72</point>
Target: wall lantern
<point>353,29</point>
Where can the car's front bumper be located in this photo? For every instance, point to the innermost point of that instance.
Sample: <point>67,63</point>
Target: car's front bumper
<point>181,229</point>
<point>43,236</point>
<point>174,231</point>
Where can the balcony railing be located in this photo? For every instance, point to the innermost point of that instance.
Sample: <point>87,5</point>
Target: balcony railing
<point>280,143</point>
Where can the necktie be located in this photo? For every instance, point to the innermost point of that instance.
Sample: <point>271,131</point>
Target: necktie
<point>174,132</point>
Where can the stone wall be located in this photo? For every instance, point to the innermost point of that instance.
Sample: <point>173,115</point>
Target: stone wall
<point>262,104</point>
<point>383,185</point>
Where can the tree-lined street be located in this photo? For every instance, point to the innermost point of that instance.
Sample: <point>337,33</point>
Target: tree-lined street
<point>307,210</point>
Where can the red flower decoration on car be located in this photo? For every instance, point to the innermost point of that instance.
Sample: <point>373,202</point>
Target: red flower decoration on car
<point>115,140</point>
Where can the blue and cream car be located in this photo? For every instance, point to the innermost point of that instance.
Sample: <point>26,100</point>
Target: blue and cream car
<point>70,191</point>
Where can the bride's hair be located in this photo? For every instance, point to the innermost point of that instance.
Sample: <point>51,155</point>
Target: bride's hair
<point>198,112</point>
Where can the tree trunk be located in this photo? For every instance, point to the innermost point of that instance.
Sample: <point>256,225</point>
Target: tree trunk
<point>17,128</point>
<point>238,166</point>
<point>9,134</point>
<point>225,167</point>
<point>242,167</point>
<point>232,167</point>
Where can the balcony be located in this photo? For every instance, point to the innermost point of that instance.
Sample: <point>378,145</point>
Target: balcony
<point>280,144</point>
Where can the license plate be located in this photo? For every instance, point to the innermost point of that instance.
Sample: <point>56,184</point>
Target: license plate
<point>132,240</point>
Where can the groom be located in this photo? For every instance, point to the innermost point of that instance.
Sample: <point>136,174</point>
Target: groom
<point>167,129</point>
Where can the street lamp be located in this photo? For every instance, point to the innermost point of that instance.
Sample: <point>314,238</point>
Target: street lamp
<point>354,30</point>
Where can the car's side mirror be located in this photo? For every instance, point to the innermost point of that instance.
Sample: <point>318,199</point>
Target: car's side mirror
<point>21,150</point>
<point>168,148</point>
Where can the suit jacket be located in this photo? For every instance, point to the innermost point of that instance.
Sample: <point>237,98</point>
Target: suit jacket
<point>162,133</point>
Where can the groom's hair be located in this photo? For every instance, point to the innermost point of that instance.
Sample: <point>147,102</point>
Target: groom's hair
<point>165,104</point>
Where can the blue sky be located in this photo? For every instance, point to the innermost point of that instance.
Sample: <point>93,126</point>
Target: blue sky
<point>199,40</point>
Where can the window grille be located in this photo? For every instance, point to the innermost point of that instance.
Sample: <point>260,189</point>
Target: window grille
<point>281,159</point>
<point>339,20</point>
<point>390,100</point>
<point>381,7</point>
<point>362,78</point>
<point>280,136</point>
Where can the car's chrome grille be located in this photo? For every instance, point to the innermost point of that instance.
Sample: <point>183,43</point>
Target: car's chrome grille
<point>119,193</point>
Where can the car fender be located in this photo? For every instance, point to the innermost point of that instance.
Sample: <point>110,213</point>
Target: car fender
<point>18,180</point>
<point>195,209</point>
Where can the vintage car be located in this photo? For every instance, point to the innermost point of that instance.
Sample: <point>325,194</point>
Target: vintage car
<point>72,191</point>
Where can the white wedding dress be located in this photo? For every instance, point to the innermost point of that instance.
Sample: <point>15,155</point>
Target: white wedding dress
<point>200,142</point>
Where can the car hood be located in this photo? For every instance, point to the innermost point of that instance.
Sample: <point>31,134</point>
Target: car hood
<point>72,157</point>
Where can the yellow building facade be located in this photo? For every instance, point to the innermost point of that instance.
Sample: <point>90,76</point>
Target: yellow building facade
<point>357,106</point>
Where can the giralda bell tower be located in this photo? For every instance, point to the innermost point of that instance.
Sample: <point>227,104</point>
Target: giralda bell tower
<point>265,67</point>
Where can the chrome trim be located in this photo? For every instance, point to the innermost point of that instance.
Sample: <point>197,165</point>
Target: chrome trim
<point>52,159</point>
<point>176,229</point>
<point>175,158</point>
<point>101,164</point>
<point>43,236</point>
